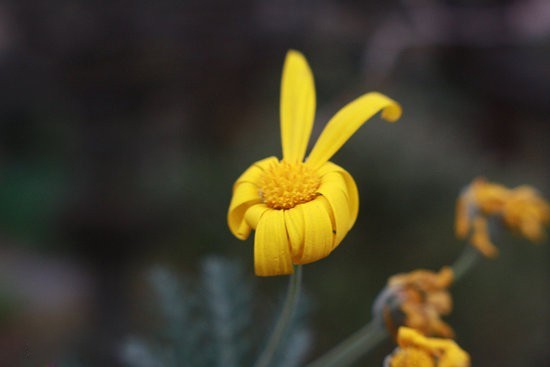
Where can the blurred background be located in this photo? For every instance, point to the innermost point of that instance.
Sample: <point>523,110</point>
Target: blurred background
<point>123,125</point>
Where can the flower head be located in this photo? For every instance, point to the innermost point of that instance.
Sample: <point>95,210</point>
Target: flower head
<point>522,210</point>
<point>301,209</point>
<point>418,300</point>
<point>414,349</point>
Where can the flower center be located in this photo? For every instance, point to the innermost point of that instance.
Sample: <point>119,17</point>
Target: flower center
<point>285,185</point>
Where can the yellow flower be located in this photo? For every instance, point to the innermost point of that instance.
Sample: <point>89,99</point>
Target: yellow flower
<point>418,300</point>
<point>301,209</point>
<point>521,210</point>
<point>416,350</point>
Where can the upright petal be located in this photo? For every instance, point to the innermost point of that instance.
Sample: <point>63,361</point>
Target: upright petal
<point>271,250</point>
<point>297,106</point>
<point>346,122</point>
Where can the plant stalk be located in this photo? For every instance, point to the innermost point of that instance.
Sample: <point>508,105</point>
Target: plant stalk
<point>358,344</point>
<point>281,327</point>
<point>465,263</point>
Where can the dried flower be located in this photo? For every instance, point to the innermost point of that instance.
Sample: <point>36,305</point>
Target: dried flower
<point>414,349</point>
<point>522,210</point>
<point>301,210</point>
<point>418,300</point>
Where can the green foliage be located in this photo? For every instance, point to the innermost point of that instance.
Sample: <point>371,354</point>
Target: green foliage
<point>209,322</point>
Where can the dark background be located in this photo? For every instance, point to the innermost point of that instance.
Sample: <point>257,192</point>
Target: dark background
<point>123,125</point>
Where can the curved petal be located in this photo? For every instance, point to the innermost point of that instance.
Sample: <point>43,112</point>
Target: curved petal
<point>271,250</point>
<point>353,196</point>
<point>254,173</point>
<point>318,235</point>
<point>295,228</point>
<point>334,190</point>
<point>480,237</point>
<point>351,187</point>
<point>245,195</point>
<point>462,217</point>
<point>297,106</point>
<point>346,122</point>
<point>254,213</point>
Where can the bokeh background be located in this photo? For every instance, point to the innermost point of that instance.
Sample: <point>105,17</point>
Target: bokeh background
<point>124,123</point>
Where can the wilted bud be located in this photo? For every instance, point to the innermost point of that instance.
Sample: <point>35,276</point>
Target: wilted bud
<point>414,349</point>
<point>521,210</point>
<point>418,300</point>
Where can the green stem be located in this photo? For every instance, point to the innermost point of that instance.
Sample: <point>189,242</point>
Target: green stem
<point>467,260</point>
<point>375,332</point>
<point>372,334</point>
<point>358,344</point>
<point>281,328</point>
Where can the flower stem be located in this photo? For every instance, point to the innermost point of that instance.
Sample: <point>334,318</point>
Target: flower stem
<point>375,332</point>
<point>281,328</point>
<point>467,260</point>
<point>355,346</point>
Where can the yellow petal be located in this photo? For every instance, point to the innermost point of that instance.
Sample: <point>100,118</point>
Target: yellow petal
<point>490,198</point>
<point>532,230</point>
<point>245,195</point>
<point>353,196</point>
<point>254,213</point>
<point>346,122</point>
<point>411,357</point>
<point>254,173</point>
<point>318,235</point>
<point>294,220</point>
<point>454,356</point>
<point>271,250</point>
<point>351,187</point>
<point>297,106</point>
<point>333,188</point>
<point>462,218</point>
<point>480,237</point>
